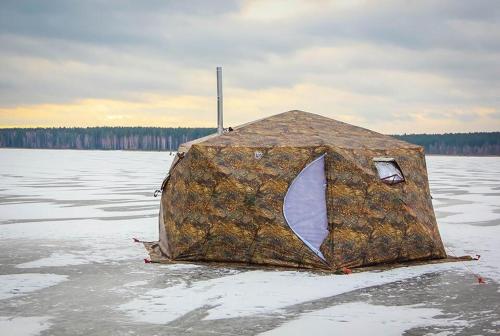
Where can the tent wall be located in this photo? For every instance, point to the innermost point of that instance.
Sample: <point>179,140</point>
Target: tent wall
<point>372,222</point>
<point>225,204</point>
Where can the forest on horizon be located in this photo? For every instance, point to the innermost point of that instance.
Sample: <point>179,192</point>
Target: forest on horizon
<point>169,139</point>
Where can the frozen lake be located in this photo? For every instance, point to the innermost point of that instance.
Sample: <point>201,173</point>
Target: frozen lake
<point>68,265</point>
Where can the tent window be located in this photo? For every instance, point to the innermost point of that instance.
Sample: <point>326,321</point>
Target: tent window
<point>389,171</point>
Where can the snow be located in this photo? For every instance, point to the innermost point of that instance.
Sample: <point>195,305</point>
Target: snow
<point>56,260</point>
<point>180,267</point>
<point>14,285</point>
<point>95,254</point>
<point>93,242</point>
<point>23,326</point>
<point>259,292</point>
<point>377,320</point>
<point>87,231</point>
<point>136,283</point>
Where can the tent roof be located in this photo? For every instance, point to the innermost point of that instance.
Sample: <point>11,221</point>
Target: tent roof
<point>300,129</point>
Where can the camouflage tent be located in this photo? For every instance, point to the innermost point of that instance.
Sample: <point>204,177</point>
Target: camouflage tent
<point>298,190</point>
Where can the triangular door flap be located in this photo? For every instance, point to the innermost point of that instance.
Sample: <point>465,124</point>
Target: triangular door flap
<point>304,206</point>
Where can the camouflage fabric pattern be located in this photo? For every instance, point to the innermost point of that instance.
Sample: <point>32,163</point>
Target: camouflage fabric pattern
<point>224,203</point>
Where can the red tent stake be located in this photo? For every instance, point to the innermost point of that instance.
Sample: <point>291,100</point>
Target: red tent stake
<point>346,270</point>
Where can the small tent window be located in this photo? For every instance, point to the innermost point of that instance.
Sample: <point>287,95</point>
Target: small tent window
<point>388,170</point>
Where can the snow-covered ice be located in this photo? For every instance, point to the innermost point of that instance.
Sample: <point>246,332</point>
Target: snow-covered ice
<point>68,264</point>
<point>23,326</point>
<point>359,318</point>
<point>258,292</point>
<point>14,285</point>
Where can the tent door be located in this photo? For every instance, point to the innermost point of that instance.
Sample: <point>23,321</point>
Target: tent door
<point>304,206</point>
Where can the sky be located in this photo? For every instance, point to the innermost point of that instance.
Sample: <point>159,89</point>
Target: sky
<point>391,66</point>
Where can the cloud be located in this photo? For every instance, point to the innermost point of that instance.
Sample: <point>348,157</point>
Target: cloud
<point>384,115</point>
<point>404,59</point>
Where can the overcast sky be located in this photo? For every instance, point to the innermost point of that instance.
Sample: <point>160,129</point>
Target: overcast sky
<point>391,66</point>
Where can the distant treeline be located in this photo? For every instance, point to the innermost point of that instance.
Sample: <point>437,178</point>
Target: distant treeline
<point>165,139</point>
<point>479,143</point>
<point>126,138</point>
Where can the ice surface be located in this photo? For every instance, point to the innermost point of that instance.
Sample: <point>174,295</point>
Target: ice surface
<point>55,260</point>
<point>60,184</point>
<point>360,318</point>
<point>23,326</point>
<point>465,189</point>
<point>136,283</point>
<point>70,216</point>
<point>258,292</point>
<point>261,292</point>
<point>13,285</point>
<point>98,203</point>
